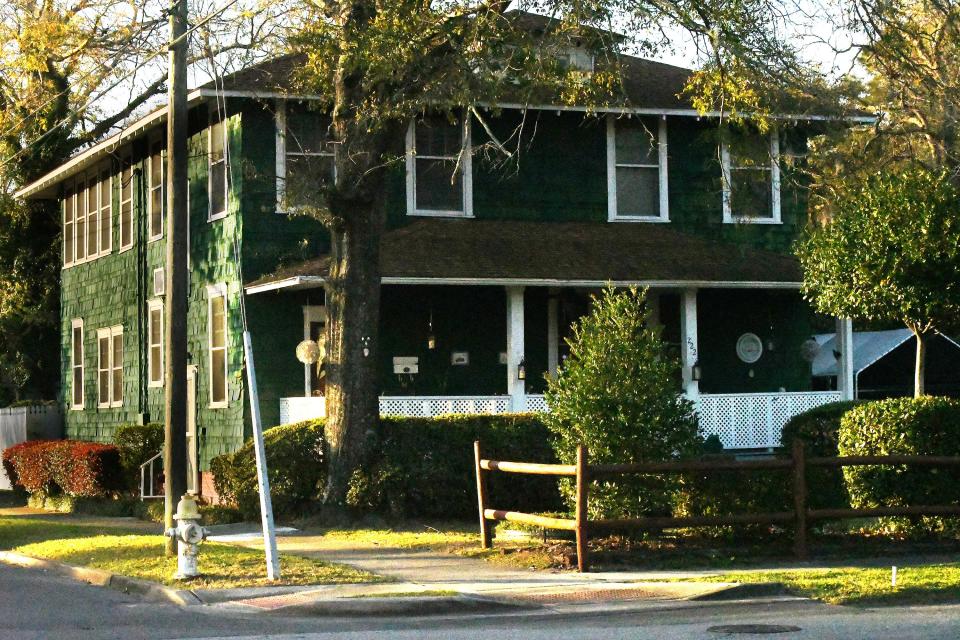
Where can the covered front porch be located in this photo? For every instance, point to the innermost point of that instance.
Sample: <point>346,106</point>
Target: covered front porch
<point>475,341</point>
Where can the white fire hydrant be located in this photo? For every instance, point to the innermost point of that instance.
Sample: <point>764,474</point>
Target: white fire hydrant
<point>188,533</point>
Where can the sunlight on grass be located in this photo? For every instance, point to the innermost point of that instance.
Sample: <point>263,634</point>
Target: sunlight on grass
<point>141,556</point>
<point>403,539</point>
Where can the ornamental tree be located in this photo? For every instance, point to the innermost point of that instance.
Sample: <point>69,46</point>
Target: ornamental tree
<point>890,253</point>
<point>618,393</point>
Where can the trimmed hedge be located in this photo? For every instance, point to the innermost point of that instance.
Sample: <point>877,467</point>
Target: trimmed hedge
<point>296,466</point>
<point>137,443</point>
<point>902,426</point>
<point>819,429</point>
<point>72,467</point>
<point>416,467</point>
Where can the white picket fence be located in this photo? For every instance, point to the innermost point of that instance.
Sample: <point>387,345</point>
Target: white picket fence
<point>741,420</point>
<point>18,424</point>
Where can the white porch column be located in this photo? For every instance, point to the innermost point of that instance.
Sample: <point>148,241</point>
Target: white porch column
<point>844,342</point>
<point>688,337</point>
<point>553,333</point>
<point>516,388</point>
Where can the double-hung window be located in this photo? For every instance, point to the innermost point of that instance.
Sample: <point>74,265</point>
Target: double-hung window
<point>156,198</point>
<point>76,364</point>
<point>93,211</point>
<point>80,220</point>
<point>637,169</point>
<point>751,177</point>
<point>155,343</point>
<point>305,155</point>
<point>217,170</point>
<point>105,213</point>
<point>439,168</point>
<point>126,204</point>
<point>110,367</point>
<point>217,335</point>
<point>69,213</point>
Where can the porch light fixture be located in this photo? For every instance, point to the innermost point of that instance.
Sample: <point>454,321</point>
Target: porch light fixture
<point>695,371</point>
<point>431,338</point>
<point>522,369</point>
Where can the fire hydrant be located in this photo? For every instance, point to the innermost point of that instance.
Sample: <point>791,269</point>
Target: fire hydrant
<point>188,533</point>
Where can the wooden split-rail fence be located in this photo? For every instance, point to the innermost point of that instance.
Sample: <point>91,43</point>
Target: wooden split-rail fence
<point>800,516</point>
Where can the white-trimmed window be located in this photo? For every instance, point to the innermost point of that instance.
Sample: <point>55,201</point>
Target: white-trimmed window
<point>637,188</point>
<point>305,154</point>
<point>110,367</point>
<point>87,217</point>
<point>156,191</point>
<point>79,198</point>
<point>751,178</point>
<point>126,204</point>
<point>69,205</point>
<point>155,343</point>
<point>76,364</point>
<point>217,343</point>
<point>93,212</point>
<point>105,214</point>
<point>439,168</point>
<point>217,183</point>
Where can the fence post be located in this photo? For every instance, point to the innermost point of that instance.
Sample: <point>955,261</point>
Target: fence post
<point>583,482</point>
<point>486,534</point>
<point>800,499</point>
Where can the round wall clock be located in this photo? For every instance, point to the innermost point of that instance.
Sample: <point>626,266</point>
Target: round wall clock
<point>749,348</point>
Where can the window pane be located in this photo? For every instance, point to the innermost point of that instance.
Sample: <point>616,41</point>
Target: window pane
<point>81,222</point>
<point>103,387</point>
<point>117,373</point>
<point>218,362</point>
<point>438,137</point>
<point>216,142</point>
<point>636,142</point>
<point>77,386</point>
<point>218,179</point>
<point>126,223</point>
<point>106,226</point>
<point>126,182</point>
<point>68,230</point>
<point>77,346</point>
<point>751,194</point>
<point>307,131</point>
<point>306,177</point>
<point>435,191</point>
<point>156,364</point>
<point>156,167</point>
<point>156,212</point>
<point>638,191</point>
<point>217,322</point>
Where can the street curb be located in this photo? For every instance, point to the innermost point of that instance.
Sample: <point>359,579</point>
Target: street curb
<point>402,606</point>
<point>100,578</point>
<point>742,591</point>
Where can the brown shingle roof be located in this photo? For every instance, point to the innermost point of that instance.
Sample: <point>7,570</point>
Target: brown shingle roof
<point>499,250</point>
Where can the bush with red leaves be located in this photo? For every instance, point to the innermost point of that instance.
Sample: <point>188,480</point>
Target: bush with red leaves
<point>72,467</point>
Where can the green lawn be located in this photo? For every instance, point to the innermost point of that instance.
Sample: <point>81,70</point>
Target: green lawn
<point>919,584</point>
<point>137,555</point>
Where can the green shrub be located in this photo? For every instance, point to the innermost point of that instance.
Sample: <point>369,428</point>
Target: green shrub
<point>902,426</point>
<point>295,463</point>
<point>819,429</point>
<point>424,467</point>
<point>618,393</point>
<point>151,510</point>
<point>137,443</point>
<point>73,467</point>
<point>104,507</point>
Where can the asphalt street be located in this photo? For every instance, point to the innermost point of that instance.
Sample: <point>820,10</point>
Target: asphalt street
<point>35,604</point>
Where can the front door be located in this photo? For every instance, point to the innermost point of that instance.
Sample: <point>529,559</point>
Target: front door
<point>192,469</point>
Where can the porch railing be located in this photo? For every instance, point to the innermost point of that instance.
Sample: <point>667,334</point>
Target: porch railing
<point>151,478</point>
<point>755,420</point>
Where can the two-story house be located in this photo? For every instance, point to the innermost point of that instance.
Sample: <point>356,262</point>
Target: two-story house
<point>484,266</point>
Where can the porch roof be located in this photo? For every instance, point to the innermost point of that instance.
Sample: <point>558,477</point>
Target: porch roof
<point>505,252</point>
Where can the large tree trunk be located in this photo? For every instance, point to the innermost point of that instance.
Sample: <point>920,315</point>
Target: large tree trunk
<point>353,318</point>
<point>919,385</point>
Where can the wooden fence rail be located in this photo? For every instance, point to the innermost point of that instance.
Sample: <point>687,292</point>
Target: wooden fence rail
<point>800,516</point>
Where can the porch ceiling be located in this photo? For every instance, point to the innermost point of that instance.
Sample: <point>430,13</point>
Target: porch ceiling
<point>448,251</point>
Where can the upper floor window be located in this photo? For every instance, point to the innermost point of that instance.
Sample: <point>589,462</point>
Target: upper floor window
<point>637,187</point>
<point>126,204</point>
<point>110,367</point>
<point>155,343</point>
<point>76,364</point>
<point>217,183</point>
<point>577,58</point>
<point>87,217</point>
<point>751,178</point>
<point>217,335</point>
<point>156,191</point>
<point>439,169</point>
<point>305,155</point>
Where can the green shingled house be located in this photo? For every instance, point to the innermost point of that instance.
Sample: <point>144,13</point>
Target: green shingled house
<point>484,266</point>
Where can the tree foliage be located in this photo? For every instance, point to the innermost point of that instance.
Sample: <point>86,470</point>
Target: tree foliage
<point>618,393</point>
<point>891,252</point>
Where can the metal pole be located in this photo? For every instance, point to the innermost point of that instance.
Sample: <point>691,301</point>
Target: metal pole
<point>175,339</point>
<point>263,482</point>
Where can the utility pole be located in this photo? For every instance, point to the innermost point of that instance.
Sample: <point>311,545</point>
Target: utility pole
<point>175,338</point>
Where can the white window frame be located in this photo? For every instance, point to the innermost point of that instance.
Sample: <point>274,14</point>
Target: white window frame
<point>729,216</point>
<point>217,291</point>
<point>106,174</point>
<point>151,187</point>
<point>93,214</point>
<point>77,323</point>
<point>280,118</point>
<point>466,168</point>
<point>69,204</point>
<point>154,305</point>
<point>109,367</point>
<point>211,214</point>
<point>126,164</point>
<point>613,214</point>
<point>311,314</point>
